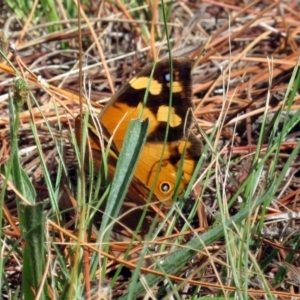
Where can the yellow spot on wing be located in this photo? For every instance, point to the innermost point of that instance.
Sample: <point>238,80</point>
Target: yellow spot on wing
<point>176,86</point>
<point>143,83</point>
<point>163,116</point>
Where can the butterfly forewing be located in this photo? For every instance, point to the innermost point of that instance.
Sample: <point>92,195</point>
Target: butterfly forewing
<point>128,103</point>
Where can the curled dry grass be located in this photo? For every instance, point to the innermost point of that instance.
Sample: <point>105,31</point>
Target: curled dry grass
<point>243,74</point>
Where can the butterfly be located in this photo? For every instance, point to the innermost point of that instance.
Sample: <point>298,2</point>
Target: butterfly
<point>170,145</point>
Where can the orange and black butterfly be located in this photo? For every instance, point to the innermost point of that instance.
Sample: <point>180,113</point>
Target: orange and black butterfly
<point>172,118</point>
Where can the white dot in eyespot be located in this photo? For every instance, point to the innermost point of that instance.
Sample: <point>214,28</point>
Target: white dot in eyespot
<point>167,77</point>
<point>165,187</point>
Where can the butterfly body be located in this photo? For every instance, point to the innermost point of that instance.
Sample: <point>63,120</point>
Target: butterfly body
<point>169,144</point>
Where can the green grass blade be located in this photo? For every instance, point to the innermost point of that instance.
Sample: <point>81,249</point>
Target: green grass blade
<point>30,216</point>
<point>34,254</point>
<point>133,143</point>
